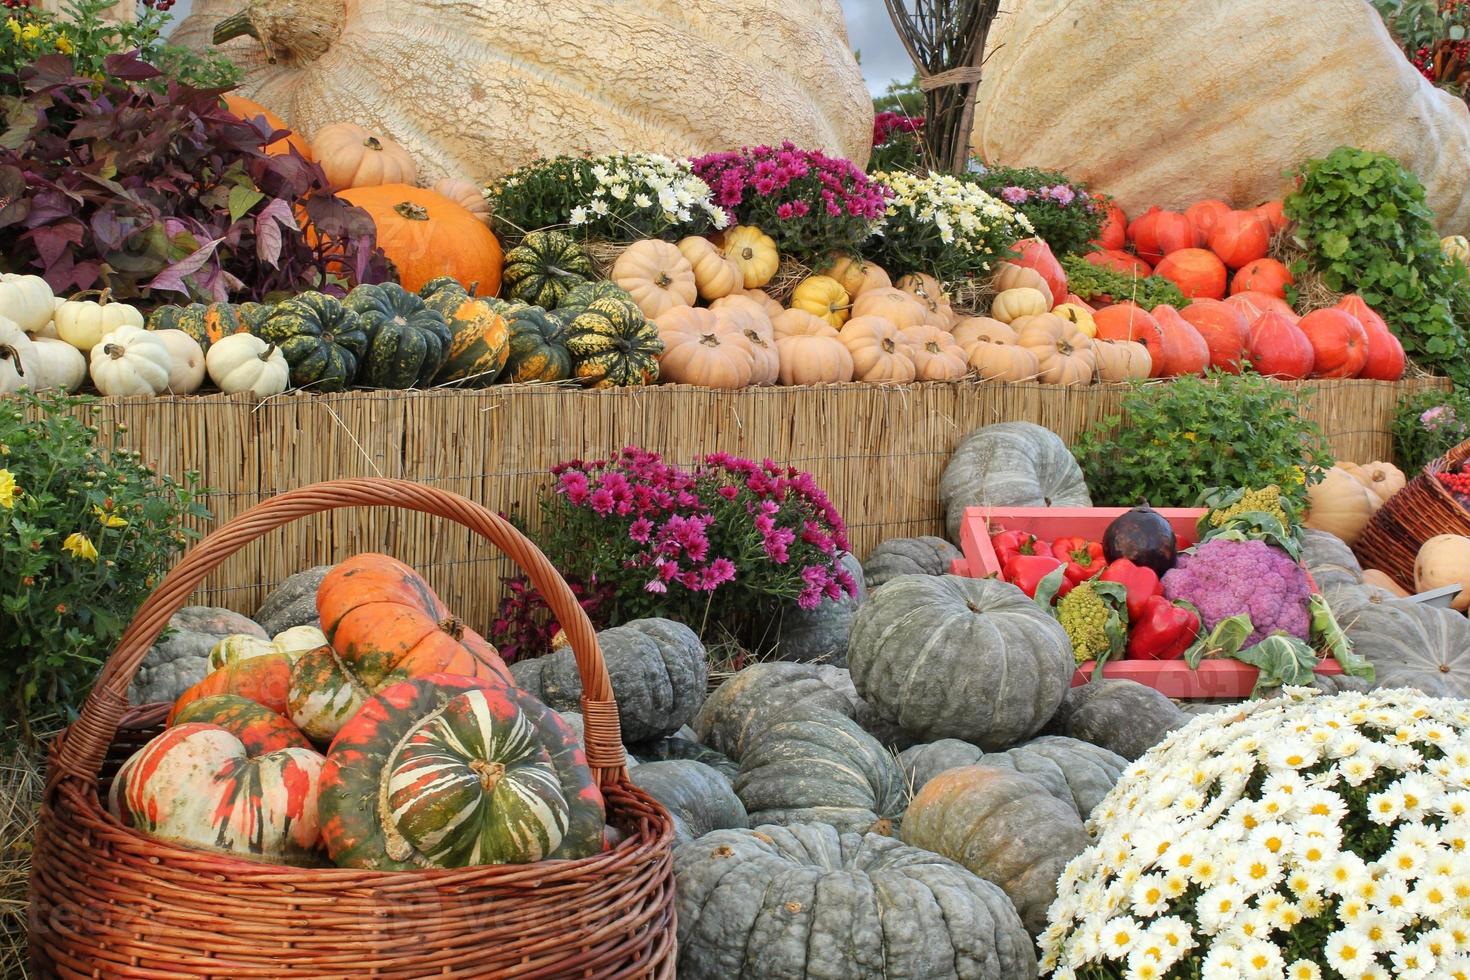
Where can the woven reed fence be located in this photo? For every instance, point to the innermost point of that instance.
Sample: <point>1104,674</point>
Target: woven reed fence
<point>878,451</point>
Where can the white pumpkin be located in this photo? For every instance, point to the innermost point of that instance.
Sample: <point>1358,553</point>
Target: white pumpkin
<point>243,362</point>
<point>19,364</point>
<point>83,322</point>
<point>49,330</point>
<point>186,372</point>
<point>59,364</point>
<point>26,300</point>
<point>130,361</point>
<point>297,640</point>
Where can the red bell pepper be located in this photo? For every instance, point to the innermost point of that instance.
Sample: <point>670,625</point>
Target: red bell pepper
<point>1009,543</point>
<point>1084,558</point>
<point>1025,572</point>
<point>1141,583</point>
<point>1163,632</point>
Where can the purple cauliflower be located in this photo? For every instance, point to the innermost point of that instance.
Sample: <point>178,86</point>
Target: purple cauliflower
<point>1225,578</point>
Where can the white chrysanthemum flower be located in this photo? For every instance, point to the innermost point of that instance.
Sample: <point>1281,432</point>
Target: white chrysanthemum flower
<point>1349,952</point>
<point>579,215</point>
<point>1304,970</point>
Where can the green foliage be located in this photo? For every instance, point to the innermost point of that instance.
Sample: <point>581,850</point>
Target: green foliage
<point>82,32</point>
<point>1174,440</point>
<point>88,531</point>
<point>1428,425</point>
<point>1365,221</point>
<point>903,97</point>
<point>1091,281</point>
<point>1061,212</point>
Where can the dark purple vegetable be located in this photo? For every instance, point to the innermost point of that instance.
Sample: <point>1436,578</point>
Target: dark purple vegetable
<point>1143,537</point>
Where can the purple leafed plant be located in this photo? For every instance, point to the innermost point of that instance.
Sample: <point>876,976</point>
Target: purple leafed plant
<point>165,195</point>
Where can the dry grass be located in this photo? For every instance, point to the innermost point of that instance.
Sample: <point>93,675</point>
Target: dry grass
<point>971,297</point>
<point>22,775</point>
<point>788,276</point>
<point>603,255</point>
<point>1313,292</point>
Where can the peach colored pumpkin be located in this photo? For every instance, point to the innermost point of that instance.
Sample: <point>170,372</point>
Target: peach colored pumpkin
<point>1011,276</point>
<point>927,290</point>
<point>715,275</point>
<point>857,275</point>
<point>1340,505</point>
<point>810,350</point>
<point>1121,360</point>
<point>773,309</point>
<point>753,324</point>
<point>466,193</point>
<point>1003,362</point>
<point>974,330</point>
<point>351,156</point>
<point>656,275</point>
<point>799,323</point>
<point>879,353</point>
<point>699,349</point>
<point>894,305</point>
<point>1373,576</point>
<point>1063,352</point>
<point>935,354</point>
<point>1445,560</point>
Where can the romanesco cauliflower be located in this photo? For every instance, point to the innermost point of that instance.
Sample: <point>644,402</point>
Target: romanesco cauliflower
<point>1084,615</point>
<point>1266,500</point>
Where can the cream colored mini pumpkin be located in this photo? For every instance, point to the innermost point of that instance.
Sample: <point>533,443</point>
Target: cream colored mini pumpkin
<point>974,330</point>
<point>130,361</point>
<point>1011,276</point>
<point>700,349</point>
<point>927,290</point>
<point>187,371</point>
<point>823,296</point>
<point>1121,360</point>
<point>800,323</point>
<point>1445,560</point>
<point>1063,353</point>
<point>657,276</point>
<point>243,362</point>
<point>857,275</point>
<point>1003,362</point>
<point>1339,504</point>
<point>1016,303</point>
<point>83,322</point>
<point>27,301</point>
<point>1078,314</point>
<point>19,363</point>
<point>482,88</point>
<point>879,353</point>
<point>744,311</point>
<point>810,350</point>
<point>59,364</point>
<point>754,252</point>
<point>238,648</point>
<point>466,193</point>
<point>715,276</point>
<point>894,305</point>
<point>935,355</point>
<point>352,156</point>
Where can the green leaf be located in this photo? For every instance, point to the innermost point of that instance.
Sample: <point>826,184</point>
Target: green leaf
<point>243,197</point>
<point>1048,587</point>
<point>1222,641</point>
<point>1282,660</point>
<point>1330,637</point>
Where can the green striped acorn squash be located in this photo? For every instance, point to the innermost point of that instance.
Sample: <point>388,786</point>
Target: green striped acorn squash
<point>613,346</point>
<point>407,341</point>
<point>450,771</point>
<point>480,343</point>
<point>322,340</point>
<point>543,268</point>
<point>208,322</point>
<point>538,347</point>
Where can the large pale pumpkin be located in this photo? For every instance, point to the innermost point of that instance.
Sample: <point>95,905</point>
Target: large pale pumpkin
<point>1218,77</point>
<point>1010,464</point>
<point>1444,560</point>
<point>439,76</point>
<point>949,657</point>
<point>1340,504</point>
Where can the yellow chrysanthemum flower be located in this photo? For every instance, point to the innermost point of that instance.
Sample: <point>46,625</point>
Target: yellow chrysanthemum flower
<point>108,520</point>
<point>78,545</point>
<point>8,490</point>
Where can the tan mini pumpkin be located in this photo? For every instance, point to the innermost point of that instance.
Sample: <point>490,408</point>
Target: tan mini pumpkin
<point>1444,560</point>
<point>466,193</point>
<point>810,350</point>
<point>657,276</point>
<point>1372,576</point>
<point>879,354</point>
<point>935,355</point>
<point>1016,303</point>
<point>1340,505</point>
<point>754,253</point>
<point>1003,362</point>
<point>928,291</point>
<point>823,296</point>
<point>974,330</point>
<point>800,323</point>
<point>351,156</point>
<point>857,275</point>
<point>1121,360</point>
<point>745,312</point>
<point>715,276</point>
<point>1011,276</point>
<point>1384,479</point>
<point>747,317</point>
<point>1063,352</point>
<point>894,305</point>
<point>699,349</point>
<point>773,309</point>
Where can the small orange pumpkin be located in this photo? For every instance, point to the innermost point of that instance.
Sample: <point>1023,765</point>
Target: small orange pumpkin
<point>974,330</point>
<point>879,353</point>
<point>1063,352</point>
<point>1263,276</point>
<point>250,111</point>
<point>810,350</point>
<point>1003,362</point>
<point>935,354</point>
<point>700,349</point>
<point>894,305</point>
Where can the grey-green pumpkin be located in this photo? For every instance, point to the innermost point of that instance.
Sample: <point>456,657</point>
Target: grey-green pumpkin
<point>818,766</point>
<point>949,657</point>
<point>820,634</point>
<point>678,747</point>
<point>1010,464</point>
<point>1123,716</point>
<point>924,555</point>
<point>180,659</point>
<point>697,797</point>
<point>1329,559</point>
<point>1409,644</point>
<point>761,694</point>
<point>805,902</point>
<point>1002,825</point>
<point>293,602</point>
<point>658,669</point>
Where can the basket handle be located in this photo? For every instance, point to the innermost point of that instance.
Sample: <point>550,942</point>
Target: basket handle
<point>84,744</point>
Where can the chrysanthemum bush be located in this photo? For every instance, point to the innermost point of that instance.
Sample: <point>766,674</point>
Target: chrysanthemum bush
<point>726,542</point>
<point>809,203</point>
<point>619,197</point>
<point>1063,213</point>
<point>1305,837</point>
<point>944,226</point>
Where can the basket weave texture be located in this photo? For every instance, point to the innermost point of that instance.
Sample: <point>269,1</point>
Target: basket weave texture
<point>1422,509</point>
<point>110,901</point>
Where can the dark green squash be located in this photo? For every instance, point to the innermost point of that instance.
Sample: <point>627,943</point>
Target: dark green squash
<point>322,340</point>
<point>537,351</point>
<point>576,301</point>
<point>543,268</point>
<point>407,341</point>
<point>613,346</point>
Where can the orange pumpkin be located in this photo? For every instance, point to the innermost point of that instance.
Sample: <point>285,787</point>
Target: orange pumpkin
<point>702,349</point>
<point>1003,362</point>
<point>266,680</point>
<point>1240,237</point>
<point>879,353</point>
<point>1274,213</point>
<point>1225,331</point>
<point>1114,231</point>
<point>1184,350</point>
<point>250,111</point>
<point>1277,347</point>
<point>1197,272</point>
<point>809,350</point>
<point>1252,304</point>
<point>1063,352</point>
<point>1126,321</point>
<point>427,236</point>
<point>1385,352</point>
<point>1144,237</point>
<point>1263,276</point>
<point>1124,262</point>
<point>1036,254</point>
<point>1339,343</point>
<point>894,305</point>
<point>1205,213</point>
<point>1174,231</point>
<point>974,330</point>
<point>466,193</point>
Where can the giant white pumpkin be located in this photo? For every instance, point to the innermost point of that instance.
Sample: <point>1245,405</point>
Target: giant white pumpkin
<point>480,88</point>
<point>1197,99</point>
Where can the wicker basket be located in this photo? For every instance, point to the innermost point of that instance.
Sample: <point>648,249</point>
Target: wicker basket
<point>1424,508</point>
<point>109,901</point>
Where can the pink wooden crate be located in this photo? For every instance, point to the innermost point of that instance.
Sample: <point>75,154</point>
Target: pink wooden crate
<point>1173,678</point>
<point>1050,523</point>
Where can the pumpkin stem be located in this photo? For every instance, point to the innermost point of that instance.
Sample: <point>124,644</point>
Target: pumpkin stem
<point>302,30</point>
<point>710,340</point>
<point>453,627</point>
<point>411,211</point>
<point>9,353</point>
<point>663,280</point>
<point>114,351</point>
<point>265,355</point>
<point>373,143</point>
<point>887,345</point>
<point>490,773</point>
<point>747,253</point>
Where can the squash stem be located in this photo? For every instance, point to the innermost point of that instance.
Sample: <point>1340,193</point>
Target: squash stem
<point>236,25</point>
